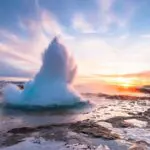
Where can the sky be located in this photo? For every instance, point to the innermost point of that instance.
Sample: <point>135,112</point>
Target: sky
<point>106,37</point>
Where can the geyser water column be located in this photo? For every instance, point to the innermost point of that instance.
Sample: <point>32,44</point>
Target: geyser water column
<point>52,84</point>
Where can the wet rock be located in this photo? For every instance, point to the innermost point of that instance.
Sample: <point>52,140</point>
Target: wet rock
<point>140,145</point>
<point>61,132</point>
<point>22,130</point>
<point>94,130</point>
<point>11,140</point>
<point>131,121</point>
<point>136,147</point>
<point>103,147</point>
<point>136,123</point>
<point>147,113</point>
<point>144,116</point>
<point>105,124</point>
<point>118,122</point>
<point>125,124</point>
<point>56,133</point>
<point>78,146</point>
<point>78,138</point>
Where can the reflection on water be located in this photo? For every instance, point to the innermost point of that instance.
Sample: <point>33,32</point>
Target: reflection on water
<point>19,116</point>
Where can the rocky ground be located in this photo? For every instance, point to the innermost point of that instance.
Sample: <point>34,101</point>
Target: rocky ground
<point>111,123</point>
<point>119,125</point>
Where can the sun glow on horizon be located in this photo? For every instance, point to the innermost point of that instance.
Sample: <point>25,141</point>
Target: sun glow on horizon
<point>125,82</point>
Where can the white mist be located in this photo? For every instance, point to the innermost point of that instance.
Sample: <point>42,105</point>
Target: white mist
<point>52,84</point>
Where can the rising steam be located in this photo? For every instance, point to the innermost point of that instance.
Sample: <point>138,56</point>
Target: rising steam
<point>52,84</point>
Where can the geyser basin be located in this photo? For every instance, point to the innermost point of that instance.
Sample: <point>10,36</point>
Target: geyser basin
<point>52,84</point>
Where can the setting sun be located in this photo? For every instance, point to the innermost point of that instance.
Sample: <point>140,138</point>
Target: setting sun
<point>121,81</point>
<point>125,82</point>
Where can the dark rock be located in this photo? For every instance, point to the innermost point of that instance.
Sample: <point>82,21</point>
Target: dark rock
<point>139,145</point>
<point>21,86</point>
<point>147,113</point>
<point>118,122</point>
<point>94,130</point>
<point>22,130</point>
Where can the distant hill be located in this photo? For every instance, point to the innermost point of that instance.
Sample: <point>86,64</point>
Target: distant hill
<point>144,89</point>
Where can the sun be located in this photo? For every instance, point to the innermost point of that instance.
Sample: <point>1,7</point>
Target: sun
<point>126,85</point>
<point>124,82</point>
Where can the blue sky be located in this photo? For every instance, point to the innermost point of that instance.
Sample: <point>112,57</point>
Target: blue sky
<point>105,36</point>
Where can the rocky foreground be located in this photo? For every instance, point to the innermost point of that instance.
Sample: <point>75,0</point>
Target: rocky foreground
<point>117,125</point>
<point>113,123</point>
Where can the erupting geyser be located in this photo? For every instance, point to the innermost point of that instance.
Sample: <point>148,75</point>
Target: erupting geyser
<point>52,84</point>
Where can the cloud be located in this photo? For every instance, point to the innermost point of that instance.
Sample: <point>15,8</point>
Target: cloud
<point>94,53</point>
<point>50,24</point>
<point>145,36</point>
<point>9,70</point>
<point>124,36</point>
<point>104,19</point>
<point>25,53</point>
<point>6,35</point>
<point>106,14</point>
<point>109,17</point>
<point>80,24</point>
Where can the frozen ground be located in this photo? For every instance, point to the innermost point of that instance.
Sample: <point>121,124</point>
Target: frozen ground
<point>117,124</point>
